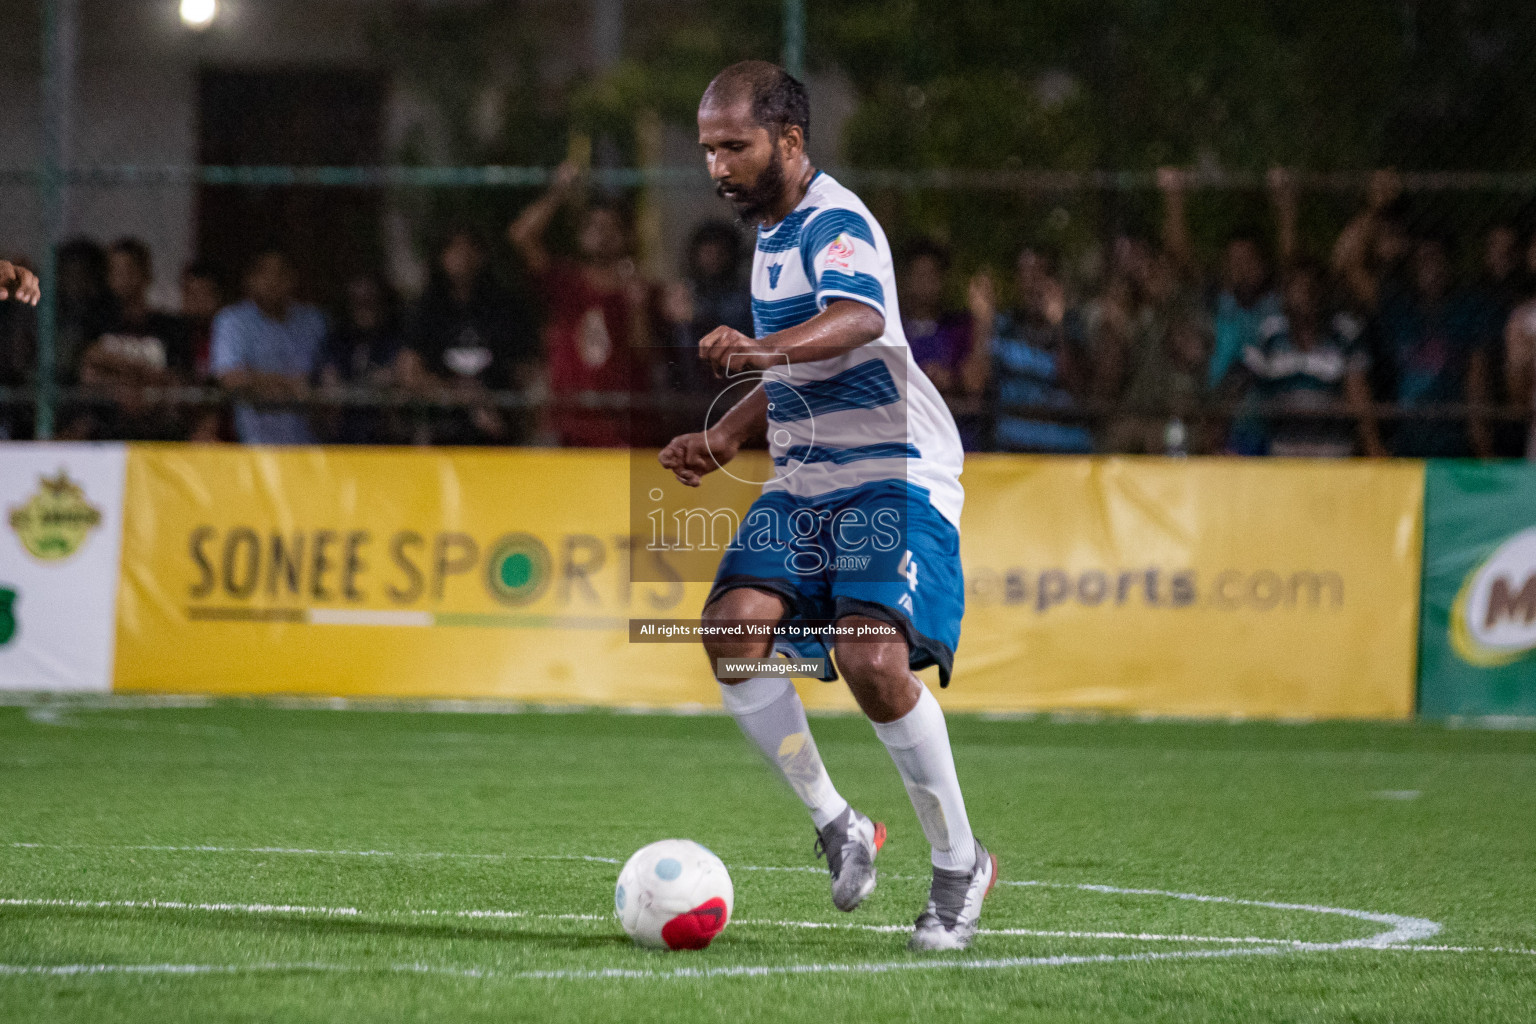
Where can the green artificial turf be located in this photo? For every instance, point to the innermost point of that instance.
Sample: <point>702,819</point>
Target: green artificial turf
<point>409,818</point>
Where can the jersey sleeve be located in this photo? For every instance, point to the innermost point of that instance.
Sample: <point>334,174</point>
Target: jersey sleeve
<point>841,259</point>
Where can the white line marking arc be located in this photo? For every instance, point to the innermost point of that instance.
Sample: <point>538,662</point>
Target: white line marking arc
<point>1402,932</point>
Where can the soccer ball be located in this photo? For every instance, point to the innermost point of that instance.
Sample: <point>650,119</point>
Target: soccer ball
<point>674,894</point>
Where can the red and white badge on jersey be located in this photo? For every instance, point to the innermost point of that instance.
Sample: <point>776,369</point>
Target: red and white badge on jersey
<point>839,254</point>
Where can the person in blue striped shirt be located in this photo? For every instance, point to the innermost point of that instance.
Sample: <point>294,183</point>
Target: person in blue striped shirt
<point>860,524</point>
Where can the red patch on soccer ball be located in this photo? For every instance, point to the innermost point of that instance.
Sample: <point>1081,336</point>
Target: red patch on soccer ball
<point>696,928</point>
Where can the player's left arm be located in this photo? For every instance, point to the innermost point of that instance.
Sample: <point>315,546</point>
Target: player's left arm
<point>844,325</point>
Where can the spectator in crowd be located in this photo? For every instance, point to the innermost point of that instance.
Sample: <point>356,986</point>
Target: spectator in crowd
<point>1501,285</point>
<point>469,336</point>
<point>1369,256</point>
<point>202,296</point>
<point>365,349</point>
<point>267,348</point>
<point>940,338</point>
<point>19,283</point>
<point>597,311</point>
<point>717,288</point>
<point>1023,358</point>
<point>1130,315</point>
<point>140,347</point>
<point>84,304</point>
<point>18,324</point>
<point>1501,280</point>
<point>714,292</point>
<point>1520,354</point>
<point>1244,298</point>
<point>1304,361</point>
<point>1159,410</point>
<point>1437,344</point>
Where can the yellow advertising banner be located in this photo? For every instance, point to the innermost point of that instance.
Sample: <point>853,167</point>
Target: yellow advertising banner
<point>452,573</point>
<point>1203,587</point>
<point>1271,589</point>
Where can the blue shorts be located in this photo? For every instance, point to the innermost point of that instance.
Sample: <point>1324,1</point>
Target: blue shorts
<point>878,550</point>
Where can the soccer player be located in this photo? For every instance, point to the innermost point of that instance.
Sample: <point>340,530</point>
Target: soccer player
<point>860,440</point>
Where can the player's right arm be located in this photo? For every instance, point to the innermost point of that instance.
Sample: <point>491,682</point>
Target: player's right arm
<point>18,283</point>
<point>691,456</point>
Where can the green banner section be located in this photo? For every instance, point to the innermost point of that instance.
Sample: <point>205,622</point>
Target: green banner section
<point>1477,635</point>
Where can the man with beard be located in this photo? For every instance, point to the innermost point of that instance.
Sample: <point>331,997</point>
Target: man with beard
<point>860,525</point>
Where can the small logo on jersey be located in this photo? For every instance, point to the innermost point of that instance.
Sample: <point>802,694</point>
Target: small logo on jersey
<point>840,254</point>
<point>907,568</point>
<point>773,274</point>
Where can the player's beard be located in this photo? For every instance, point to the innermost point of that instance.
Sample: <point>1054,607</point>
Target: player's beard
<point>754,203</point>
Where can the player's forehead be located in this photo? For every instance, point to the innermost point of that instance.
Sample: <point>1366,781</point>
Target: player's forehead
<point>727,119</point>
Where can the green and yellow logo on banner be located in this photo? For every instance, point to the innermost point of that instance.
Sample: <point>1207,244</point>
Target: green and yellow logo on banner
<point>1493,620</point>
<point>56,520</point>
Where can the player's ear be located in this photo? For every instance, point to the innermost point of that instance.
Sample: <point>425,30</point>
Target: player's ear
<point>791,141</point>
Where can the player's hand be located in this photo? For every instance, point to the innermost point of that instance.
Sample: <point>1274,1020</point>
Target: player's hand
<point>691,456</point>
<point>18,283</point>
<point>565,178</point>
<point>1383,190</point>
<point>677,303</point>
<point>1281,182</point>
<point>1172,179</point>
<point>726,348</point>
<point>981,297</point>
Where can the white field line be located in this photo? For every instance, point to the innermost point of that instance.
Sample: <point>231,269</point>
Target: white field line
<point>282,908</point>
<point>742,971</point>
<point>306,852</point>
<point>1401,932</point>
<point>1256,947</point>
<point>236,908</point>
<point>1402,928</point>
<point>1464,949</point>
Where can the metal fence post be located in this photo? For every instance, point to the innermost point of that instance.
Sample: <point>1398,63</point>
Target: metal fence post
<point>794,38</point>
<point>59,38</point>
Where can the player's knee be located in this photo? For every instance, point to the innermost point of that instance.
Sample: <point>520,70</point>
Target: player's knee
<point>880,678</point>
<point>734,608</point>
<point>873,664</point>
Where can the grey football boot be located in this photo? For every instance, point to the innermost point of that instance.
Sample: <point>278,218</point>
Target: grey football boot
<point>850,843</point>
<point>954,905</point>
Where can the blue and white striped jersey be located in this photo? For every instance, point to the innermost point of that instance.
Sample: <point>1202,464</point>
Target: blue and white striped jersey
<point>866,415</point>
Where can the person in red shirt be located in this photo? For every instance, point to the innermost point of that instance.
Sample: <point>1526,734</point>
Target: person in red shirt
<point>597,312</point>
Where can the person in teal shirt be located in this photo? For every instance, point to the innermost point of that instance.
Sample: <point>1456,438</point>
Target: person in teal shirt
<point>1244,303</point>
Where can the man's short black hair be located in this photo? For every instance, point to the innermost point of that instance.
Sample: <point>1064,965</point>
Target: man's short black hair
<point>926,248</point>
<point>136,250</point>
<point>1248,234</point>
<point>269,252</point>
<point>778,98</point>
<point>206,270</point>
<point>716,232</point>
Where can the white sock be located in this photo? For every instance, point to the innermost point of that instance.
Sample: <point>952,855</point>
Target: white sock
<point>919,744</point>
<point>770,713</point>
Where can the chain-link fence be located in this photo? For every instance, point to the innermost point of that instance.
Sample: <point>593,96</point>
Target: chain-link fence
<point>1201,310</point>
